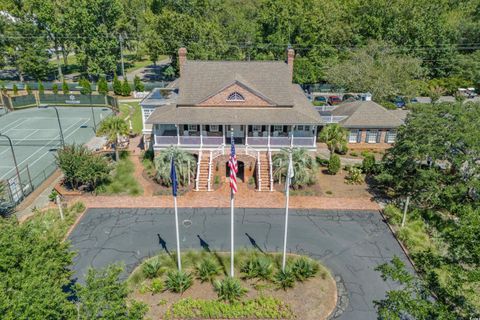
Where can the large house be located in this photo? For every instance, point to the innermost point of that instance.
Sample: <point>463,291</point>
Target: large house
<point>253,102</point>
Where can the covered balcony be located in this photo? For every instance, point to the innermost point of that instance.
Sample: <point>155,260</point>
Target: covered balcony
<point>258,136</point>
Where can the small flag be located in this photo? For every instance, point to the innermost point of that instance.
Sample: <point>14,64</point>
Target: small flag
<point>232,164</point>
<point>173,177</point>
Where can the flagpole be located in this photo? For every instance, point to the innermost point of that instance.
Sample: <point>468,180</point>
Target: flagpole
<point>287,198</point>
<point>179,259</point>
<point>232,203</point>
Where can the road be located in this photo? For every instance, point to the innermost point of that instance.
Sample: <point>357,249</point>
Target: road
<point>350,244</point>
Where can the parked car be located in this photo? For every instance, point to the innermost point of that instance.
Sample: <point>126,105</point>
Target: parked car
<point>319,101</point>
<point>334,100</point>
<point>349,97</point>
<point>468,92</point>
<point>6,208</point>
<point>400,101</point>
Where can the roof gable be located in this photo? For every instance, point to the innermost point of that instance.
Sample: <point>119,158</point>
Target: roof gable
<point>366,114</point>
<point>269,80</point>
<point>251,97</point>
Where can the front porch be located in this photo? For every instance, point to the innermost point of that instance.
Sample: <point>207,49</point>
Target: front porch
<point>262,137</point>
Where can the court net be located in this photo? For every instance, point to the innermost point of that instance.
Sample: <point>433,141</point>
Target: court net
<point>55,143</point>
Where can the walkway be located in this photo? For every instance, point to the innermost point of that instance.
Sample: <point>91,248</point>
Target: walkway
<point>245,198</point>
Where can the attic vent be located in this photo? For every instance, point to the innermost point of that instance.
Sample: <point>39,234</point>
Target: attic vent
<point>235,96</point>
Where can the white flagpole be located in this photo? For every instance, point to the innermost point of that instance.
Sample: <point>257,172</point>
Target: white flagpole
<point>232,202</point>
<point>287,197</point>
<point>179,259</point>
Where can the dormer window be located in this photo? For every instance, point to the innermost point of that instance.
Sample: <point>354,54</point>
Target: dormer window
<point>235,97</point>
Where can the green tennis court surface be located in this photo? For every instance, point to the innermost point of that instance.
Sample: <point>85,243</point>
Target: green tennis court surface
<point>35,135</point>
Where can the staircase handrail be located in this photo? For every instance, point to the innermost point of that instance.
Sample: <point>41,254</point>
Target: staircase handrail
<point>209,170</point>
<point>218,151</point>
<point>270,168</point>
<point>197,179</point>
<point>259,176</point>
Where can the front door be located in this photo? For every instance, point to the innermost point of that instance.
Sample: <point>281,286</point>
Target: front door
<point>238,134</point>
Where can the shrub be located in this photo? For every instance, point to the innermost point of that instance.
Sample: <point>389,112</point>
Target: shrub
<point>342,148</point>
<point>41,88</point>
<point>321,162</point>
<point>157,286</point>
<point>334,164</point>
<point>216,180</point>
<point>15,89</point>
<point>229,289</point>
<point>285,279</point>
<point>207,270</point>
<point>138,85</point>
<point>55,88</point>
<point>178,281</point>
<point>151,267</point>
<point>28,89</point>
<point>368,163</point>
<point>126,89</point>
<point>102,85</point>
<point>65,88</point>
<point>353,154</point>
<point>53,195</point>
<point>354,176</point>
<point>304,268</point>
<point>85,85</point>
<point>258,267</point>
<point>117,86</point>
<point>393,214</point>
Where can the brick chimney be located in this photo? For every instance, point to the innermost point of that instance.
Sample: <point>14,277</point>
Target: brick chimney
<point>182,58</point>
<point>290,58</point>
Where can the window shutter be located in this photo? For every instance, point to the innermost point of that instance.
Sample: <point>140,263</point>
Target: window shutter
<point>264,128</point>
<point>387,133</point>
<point>185,127</point>
<point>367,136</point>
<point>359,136</point>
<point>379,134</point>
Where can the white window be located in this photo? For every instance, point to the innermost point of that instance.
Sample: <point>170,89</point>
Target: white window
<point>353,136</point>
<point>307,128</point>
<point>372,136</point>
<point>235,96</point>
<point>300,128</point>
<point>192,127</point>
<point>278,128</point>
<point>391,136</point>
<point>214,128</point>
<point>256,128</point>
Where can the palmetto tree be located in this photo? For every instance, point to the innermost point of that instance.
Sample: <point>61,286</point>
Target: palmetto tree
<point>113,128</point>
<point>185,164</point>
<point>304,167</point>
<point>334,136</point>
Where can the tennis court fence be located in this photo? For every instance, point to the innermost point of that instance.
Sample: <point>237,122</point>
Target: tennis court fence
<point>19,186</point>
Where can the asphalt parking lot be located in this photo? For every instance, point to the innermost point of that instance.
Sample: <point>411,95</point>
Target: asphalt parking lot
<point>351,244</point>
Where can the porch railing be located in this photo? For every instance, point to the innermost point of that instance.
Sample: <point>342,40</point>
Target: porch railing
<point>197,179</point>
<point>258,141</point>
<point>280,141</point>
<point>270,165</point>
<point>190,140</point>
<point>166,140</point>
<point>303,141</point>
<point>212,141</point>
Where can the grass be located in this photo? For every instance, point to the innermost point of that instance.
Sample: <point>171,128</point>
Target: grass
<point>132,64</point>
<point>123,180</point>
<point>133,112</point>
<point>49,221</point>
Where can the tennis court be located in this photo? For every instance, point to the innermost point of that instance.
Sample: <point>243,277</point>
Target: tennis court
<point>35,134</point>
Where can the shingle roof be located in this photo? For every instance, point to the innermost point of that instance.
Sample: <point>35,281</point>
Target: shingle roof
<point>367,114</point>
<point>301,113</point>
<point>201,79</point>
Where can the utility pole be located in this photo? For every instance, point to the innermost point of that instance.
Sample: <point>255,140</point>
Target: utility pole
<point>120,39</point>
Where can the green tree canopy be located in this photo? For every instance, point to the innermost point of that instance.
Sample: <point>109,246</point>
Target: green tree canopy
<point>184,162</point>
<point>304,167</point>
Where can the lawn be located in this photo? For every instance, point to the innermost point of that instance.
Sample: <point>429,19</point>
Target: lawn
<point>132,111</point>
<point>122,180</point>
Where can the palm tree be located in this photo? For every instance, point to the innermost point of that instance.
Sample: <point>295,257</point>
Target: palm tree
<point>185,165</point>
<point>334,136</point>
<point>304,167</point>
<point>113,128</point>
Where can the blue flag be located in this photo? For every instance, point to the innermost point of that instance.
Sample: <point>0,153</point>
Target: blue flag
<point>173,177</point>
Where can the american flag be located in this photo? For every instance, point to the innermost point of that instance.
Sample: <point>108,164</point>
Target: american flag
<point>232,164</point>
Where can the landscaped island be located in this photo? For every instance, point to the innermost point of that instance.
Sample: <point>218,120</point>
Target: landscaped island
<point>260,290</point>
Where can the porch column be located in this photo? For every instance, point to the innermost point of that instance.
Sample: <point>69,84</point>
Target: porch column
<point>269,128</point>
<point>291,136</point>
<point>223,133</point>
<point>315,136</point>
<point>178,134</point>
<point>246,134</point>
<point>201,135</point>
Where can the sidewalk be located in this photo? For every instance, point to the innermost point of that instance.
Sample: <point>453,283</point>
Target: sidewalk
<point>245,198</point>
